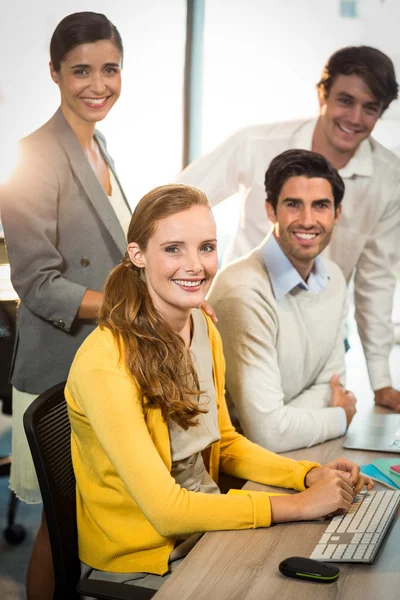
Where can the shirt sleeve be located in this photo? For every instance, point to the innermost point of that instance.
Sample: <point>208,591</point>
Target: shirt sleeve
<point>29,209</point>
<point>248,327</point>
<point>218,173</point>
<point>374,286</point>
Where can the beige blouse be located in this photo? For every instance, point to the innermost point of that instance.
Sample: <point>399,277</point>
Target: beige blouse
<point>188,468</point>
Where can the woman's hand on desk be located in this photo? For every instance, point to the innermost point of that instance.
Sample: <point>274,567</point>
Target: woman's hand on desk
<point>347,468</point>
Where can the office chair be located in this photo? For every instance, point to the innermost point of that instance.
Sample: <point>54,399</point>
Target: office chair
<point>48,431</point>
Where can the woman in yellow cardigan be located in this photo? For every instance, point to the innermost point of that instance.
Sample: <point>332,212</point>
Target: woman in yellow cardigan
<point>150,427</point>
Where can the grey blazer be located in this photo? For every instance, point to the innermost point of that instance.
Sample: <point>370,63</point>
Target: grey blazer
<point>62,237</point>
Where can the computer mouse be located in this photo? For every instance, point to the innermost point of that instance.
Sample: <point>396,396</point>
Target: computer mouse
<point>310,569</point>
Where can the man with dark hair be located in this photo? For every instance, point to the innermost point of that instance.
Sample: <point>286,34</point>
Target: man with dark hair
<point>281,312</point>
<point>357,85</point>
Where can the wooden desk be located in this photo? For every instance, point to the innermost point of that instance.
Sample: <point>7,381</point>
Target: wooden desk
<point>243,565</point>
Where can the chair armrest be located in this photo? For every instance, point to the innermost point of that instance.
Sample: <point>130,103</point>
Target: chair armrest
<point>109,590</point>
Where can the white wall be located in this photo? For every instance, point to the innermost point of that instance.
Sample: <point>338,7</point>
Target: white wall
<point>264,57</point>
<point>144,130</point>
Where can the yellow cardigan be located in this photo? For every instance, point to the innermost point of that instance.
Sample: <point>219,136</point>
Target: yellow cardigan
<point>129,508</point>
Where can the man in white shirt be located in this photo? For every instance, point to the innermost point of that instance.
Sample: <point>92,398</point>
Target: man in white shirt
<point>281,312</point>
<point>357,85</point>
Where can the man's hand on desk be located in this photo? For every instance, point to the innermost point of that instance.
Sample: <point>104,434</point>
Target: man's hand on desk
<point>388,397</point>
<point>343,398</point>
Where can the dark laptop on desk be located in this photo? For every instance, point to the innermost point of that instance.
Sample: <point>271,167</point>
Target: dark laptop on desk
<point>374,432</point>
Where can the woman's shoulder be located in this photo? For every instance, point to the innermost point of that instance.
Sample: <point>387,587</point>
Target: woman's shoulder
<point>100,345</point>
<point>42,134</point>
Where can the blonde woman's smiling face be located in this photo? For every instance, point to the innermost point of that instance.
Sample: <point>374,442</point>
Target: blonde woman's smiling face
<point>180,260</point>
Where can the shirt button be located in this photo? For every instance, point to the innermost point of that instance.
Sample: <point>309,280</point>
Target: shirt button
<point>61,323</point>
<point>85,262</point>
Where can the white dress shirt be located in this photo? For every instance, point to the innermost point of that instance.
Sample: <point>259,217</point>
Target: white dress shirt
<point>366,239</point>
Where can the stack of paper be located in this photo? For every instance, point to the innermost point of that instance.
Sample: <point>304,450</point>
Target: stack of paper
<point>379,470</point>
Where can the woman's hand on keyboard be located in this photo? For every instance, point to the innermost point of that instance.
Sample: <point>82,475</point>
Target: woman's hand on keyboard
<point>356,479</point>
<point>349,469</point>
<point>329,491</point>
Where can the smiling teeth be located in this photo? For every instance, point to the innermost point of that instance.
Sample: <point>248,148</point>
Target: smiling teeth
<point>306,236</point>
<point>94,100</point>
<point>187,283</point>
<point>347,130</point>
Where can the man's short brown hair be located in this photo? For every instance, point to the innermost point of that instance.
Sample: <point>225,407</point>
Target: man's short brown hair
<point>371,65</point>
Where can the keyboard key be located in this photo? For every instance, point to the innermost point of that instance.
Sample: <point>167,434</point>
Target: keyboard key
<point>351,548</point>
<point>375,538</point>
<point>325,538</point>
<point>339,551</point>
<point>359,552</point>
<point>345,523</point>
<point>383,521</point>
<point>329,550</point>
<point>318,552</point>
<point>369,551</point>
<point>334,524</point>
<point>357,537</point>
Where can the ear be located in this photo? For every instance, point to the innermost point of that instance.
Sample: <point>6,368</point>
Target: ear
<point>270,212</point>
<point>338,212</point>
<point>53,73</point>
<point>136,255</point>
<point>321,96</point>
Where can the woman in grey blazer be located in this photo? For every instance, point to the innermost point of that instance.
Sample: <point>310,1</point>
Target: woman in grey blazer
<point>64,214</point>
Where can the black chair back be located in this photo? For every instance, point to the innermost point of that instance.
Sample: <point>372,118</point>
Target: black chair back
<point>48,431</point>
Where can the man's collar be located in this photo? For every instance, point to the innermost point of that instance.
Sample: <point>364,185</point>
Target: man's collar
<point>360,163</point>
<point>283,276</point>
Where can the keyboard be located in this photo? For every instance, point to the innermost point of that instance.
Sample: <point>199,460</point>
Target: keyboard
<point>357,535</point>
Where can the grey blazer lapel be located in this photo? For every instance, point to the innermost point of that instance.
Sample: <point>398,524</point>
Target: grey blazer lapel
<point>88,179</point>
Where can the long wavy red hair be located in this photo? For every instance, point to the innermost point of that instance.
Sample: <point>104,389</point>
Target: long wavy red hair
<point>154,354</point>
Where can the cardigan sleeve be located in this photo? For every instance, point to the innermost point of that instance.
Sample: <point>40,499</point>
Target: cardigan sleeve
<point>104,403</point>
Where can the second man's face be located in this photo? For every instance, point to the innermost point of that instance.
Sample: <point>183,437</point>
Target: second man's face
<point>304,218</point>
<point>349,114</point>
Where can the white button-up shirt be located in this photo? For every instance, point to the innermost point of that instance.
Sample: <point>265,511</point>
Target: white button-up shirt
<point>366,239</point>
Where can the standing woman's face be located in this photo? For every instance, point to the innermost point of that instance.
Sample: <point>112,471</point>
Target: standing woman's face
<point>89,80</point>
